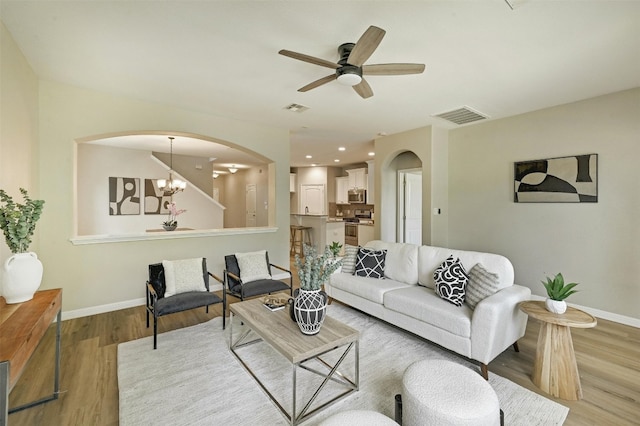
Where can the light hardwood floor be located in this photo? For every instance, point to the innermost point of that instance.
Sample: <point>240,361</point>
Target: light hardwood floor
<point>608,360</point>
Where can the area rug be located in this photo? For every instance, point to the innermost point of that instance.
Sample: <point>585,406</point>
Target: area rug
<point>193,379</point>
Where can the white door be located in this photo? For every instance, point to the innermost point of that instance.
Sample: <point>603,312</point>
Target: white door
<point>312,199</point>
<point>410,205</point>
<point>250,196</point>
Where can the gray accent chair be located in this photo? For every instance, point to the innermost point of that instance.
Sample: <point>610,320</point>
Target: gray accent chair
<point>158,305</point>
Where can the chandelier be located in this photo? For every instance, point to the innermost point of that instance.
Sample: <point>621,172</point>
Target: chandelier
<point>171,186</point>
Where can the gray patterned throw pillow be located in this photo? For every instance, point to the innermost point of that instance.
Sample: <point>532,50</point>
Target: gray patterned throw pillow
<point>481,285</point>
<point>370,263</point>
<point>349,260</point>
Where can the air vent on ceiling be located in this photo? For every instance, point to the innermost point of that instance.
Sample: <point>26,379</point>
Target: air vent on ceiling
<point>462,115</point>
<point>296,108</point>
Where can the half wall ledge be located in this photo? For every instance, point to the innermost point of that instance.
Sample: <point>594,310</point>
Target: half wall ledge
<point>168,235</point>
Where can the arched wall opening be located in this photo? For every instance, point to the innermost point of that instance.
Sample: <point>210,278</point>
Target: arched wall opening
<point>116,193</point>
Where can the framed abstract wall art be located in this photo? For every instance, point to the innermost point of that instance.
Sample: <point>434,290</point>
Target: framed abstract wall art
<point>155,202</point>
<point>124,196</point>
<point>571,179</point>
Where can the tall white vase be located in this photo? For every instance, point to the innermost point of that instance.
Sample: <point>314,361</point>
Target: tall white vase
<point>22,277</point>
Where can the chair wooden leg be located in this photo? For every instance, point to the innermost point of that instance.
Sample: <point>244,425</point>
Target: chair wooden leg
<point>485,371</point>
<point>515,346</point>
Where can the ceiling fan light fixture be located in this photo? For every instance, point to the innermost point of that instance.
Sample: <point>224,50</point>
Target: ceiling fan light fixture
<point>349,79</point>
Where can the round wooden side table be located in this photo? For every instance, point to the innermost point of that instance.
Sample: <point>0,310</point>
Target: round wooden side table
<point>555,370</point>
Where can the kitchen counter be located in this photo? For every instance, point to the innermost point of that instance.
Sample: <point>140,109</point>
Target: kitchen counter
<point>323,230</point>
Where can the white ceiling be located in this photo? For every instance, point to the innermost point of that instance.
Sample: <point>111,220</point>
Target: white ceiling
<point>221,57</point>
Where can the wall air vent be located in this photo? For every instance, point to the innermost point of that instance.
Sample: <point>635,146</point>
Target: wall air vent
<point>463,115</point>
<point>296,108</point>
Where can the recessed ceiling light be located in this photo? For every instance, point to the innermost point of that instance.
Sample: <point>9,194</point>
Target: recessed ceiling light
<point>336,161</point>
<point>371,154</point>
<point>308,156</point>
<point>313,164</point>
<point>342,148</point>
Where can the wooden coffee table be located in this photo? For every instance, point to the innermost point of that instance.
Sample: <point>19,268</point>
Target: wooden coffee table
<point>279,331</point>
<point>555,370</point>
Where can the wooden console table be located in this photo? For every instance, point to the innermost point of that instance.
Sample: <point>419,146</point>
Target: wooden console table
<point>22,327</point>
<point>555,370</point>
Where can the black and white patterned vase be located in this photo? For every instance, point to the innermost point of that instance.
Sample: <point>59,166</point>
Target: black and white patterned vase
<point>310,308</point>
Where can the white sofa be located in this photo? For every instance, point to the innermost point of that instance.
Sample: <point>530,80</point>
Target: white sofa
<point>406,298</point>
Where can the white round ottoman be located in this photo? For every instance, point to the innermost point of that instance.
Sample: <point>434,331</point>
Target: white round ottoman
<point>358,418</point>
<point>440,392</point>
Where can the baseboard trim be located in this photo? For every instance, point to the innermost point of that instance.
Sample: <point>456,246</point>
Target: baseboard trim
<point>101,309</point>
<point>609,316</point>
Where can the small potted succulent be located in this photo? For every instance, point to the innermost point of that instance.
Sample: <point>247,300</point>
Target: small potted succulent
<point>558,291</point>
<point>335,248</point>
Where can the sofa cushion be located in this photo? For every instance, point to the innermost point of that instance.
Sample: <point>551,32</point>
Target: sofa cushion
<point>367,288</point>
<point>451,279</point>
<point>425,305</point>
<point>349,259</point>
<point>481,285</point>
<point>429,258</point>
<point>370,263</point>
<point>401,262</point>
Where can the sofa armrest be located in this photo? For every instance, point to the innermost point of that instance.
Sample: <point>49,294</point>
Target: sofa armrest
<point>497,323</point>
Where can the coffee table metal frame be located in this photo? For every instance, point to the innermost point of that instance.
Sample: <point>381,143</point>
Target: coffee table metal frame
<point>333,373</point>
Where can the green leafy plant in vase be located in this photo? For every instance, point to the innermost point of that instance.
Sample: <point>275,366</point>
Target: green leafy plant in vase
<point>558,291</point>
<point>335,247</point>
<point>23,270</point>
<point>310,302</point>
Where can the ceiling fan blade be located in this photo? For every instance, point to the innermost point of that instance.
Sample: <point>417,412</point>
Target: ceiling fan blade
<point>392,69</point>
<point>309,59</point>
<point>365,47</point>
<point>363,89</point>
<point>320,82</point>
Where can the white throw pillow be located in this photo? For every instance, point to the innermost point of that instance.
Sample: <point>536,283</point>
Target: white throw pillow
<point>183,275</point>
<point>253,266</point>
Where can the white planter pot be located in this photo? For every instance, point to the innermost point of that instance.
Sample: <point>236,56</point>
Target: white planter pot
<point>556,306</point>
<point>22,277</point>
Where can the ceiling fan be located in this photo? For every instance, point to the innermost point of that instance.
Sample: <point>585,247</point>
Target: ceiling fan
<point>350,68</point>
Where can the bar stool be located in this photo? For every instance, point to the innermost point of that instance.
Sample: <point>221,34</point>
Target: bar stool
<point>300,235</point>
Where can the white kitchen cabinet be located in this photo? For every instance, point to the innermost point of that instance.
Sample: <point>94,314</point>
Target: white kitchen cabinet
<point>292,182</point>
<point>365,234</point>
<point>312,199</point>
<point>342,190</point>
<point>357,178</point>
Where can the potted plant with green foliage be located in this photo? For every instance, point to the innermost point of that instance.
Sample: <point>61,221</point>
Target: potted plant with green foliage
<point>558,291</point>
<point>310,302</point>
<point>335,248</point>
<point>23,270</point>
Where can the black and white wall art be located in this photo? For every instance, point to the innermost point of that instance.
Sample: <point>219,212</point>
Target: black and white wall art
<point>124,196</point>
<point>155,202</point>
<point>557,180</point>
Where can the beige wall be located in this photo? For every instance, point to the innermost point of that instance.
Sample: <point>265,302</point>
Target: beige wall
<point>114,273</point>
<point>594,244</point>
<point>18,128</point>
